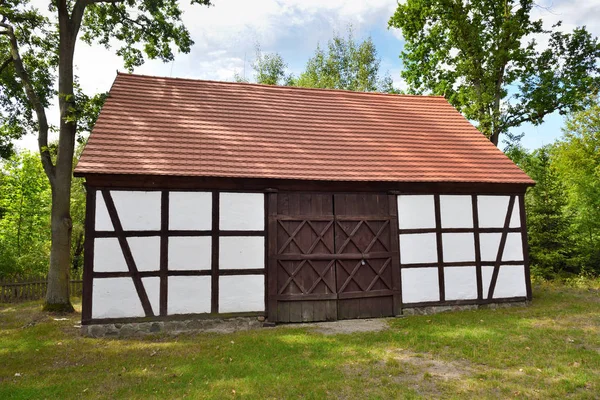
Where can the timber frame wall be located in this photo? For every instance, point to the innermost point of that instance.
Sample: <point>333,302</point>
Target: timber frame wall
<point>102,185</point>
<point>164,233</point>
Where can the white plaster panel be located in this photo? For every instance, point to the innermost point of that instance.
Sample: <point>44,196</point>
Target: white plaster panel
<point>460,283</point>
<point>190,210</point>
<point>418,248</point>
<point>241,293</point>
<point>103,222</point>
<point>492,211</point>
<point>146,252</point>
<point>513,249</point>
<point>510,282</point>
<point>108,256</point>
<point>242,211</point>
<point>115,298</point>
<point>138,210</point>
<point>420,284</point>
<point>416,212</point>
<point>189,253</point>
<point>515,218</point>
<point>238,252</point>
<point>458,247</point>
<point>456,211</point>
<point>489,244</point>
<point>189,294</point>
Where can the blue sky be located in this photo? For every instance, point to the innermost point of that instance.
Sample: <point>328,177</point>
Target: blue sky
<point>226,33</point>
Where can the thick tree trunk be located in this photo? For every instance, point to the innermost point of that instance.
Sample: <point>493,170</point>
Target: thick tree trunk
<point>57,297</point>
<point>494,138</point>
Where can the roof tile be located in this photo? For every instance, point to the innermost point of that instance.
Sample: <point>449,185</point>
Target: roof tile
<point>182,127</point>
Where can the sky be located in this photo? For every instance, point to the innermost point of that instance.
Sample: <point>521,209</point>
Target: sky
<point>225,36</point>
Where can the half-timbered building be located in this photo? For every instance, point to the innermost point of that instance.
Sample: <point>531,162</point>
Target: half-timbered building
<point>218,199</point>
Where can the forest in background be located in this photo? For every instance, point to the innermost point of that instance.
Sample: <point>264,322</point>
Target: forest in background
<point>25,200</point>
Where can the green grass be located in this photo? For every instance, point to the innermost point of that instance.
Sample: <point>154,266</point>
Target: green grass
<point>550,349</point>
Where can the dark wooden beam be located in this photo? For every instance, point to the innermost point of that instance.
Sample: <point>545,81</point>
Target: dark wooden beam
<point>127,182</point>
<point>272,252</point>
<point>460,264</point>
<point>524,241</point>
<point>440,249</point>
<point>457,230</point>
<point>395,249</point>
<point>511,204</point>
<point>476,232</point>
<point>88,261</point>
<point>164,252</point>
<point>135,275</point>
<point>214,304</point>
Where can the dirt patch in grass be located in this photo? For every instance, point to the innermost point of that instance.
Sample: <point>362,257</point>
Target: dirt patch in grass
<point>423,374</point>
<point>346,326</point>
<point>428,366</point>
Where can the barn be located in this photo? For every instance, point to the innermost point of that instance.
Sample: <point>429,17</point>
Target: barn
<point>218,199</point>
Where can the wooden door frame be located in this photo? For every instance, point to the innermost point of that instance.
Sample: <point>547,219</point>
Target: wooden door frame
<point>271,204</point>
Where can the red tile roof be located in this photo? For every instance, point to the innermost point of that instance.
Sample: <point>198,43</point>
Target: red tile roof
<point>166,126</point>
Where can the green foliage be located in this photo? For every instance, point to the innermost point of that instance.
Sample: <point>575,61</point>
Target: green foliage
<point>481,56</point>
<point>563,208</point>
<point>270,69</point>
<point>577,158</point>
<point>345,64</point>
<point>25,222</point>
<point>150,28</point>
<point>39,54</point>
<point>25,199</point>
<point>548,222</point>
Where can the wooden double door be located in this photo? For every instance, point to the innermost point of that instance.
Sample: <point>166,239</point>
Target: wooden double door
<point>332,256</point>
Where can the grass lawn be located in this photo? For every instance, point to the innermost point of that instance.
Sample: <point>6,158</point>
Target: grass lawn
<point>550,349</point>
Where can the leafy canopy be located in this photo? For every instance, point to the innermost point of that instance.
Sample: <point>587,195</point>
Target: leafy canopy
<point>577,159</point>
<point>483,57</point>
<point>344,64</point>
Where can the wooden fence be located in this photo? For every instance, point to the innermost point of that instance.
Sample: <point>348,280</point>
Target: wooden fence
<point>25,290</point>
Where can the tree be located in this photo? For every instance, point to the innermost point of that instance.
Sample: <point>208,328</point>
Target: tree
<point>25,204</point>
<point>548,223</point>
<point>269,69</point>
<point>346,64</point>
<point>481,57</point>
<point>577,159</point>
<point>41,50</point>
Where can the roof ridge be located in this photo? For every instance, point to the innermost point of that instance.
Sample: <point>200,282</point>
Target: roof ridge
<point>260,85</point>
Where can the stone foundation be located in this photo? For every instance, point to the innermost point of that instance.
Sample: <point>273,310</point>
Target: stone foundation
<point>438,309</point>
<point>132,329</point>
<point>229,325</point>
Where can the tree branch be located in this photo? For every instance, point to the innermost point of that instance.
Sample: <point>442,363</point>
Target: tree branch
<point>5,63</point>
<point>35,102</point>
<point>79,9</point>
<point>520,118</point>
